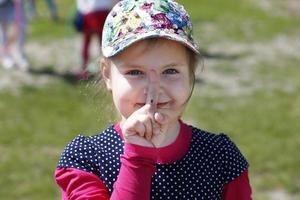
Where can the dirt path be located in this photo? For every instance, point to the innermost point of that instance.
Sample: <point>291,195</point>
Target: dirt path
<point>63,57</point>
<point>50,61</point>
<point>239,63</point>
<point>279,7</point>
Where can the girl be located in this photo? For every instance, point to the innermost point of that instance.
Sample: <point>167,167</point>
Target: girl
<point>149,63</point>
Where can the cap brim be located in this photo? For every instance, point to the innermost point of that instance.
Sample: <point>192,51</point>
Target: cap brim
<point>122,43</point>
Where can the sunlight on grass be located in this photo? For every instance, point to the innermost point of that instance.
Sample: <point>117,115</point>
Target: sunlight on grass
<point>37,125</point>
<point>231,19</point>
<point>238,20</point>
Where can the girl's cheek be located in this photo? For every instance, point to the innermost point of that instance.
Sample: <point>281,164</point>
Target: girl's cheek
<point>132,90</point>
<point>137,84</point>
<point>177,86</point>
<point>129,83</point>
<point>173,81</point>
<point>170,77</point>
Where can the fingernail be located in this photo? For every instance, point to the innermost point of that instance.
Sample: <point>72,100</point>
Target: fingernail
<point>159,117</point>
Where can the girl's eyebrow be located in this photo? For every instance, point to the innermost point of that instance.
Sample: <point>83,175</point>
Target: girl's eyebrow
<point>130,65</point>
<point>174,64</point>
<point>123,64</point>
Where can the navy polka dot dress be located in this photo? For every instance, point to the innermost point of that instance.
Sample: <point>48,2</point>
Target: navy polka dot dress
<point>211,162</point>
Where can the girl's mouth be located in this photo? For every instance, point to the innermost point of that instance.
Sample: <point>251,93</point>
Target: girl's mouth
<point>163,105</point>
<point>158,105</point>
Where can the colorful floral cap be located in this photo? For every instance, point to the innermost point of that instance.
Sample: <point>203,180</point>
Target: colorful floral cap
<point>134,20</point>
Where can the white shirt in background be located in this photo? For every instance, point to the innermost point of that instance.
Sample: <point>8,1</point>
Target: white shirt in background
<point>87,6</point>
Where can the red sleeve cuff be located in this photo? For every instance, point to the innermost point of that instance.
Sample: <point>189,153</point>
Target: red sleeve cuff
<point>80,185</point>
<point>238,189</point>
<point>134,180</point>
<point>134,151</point>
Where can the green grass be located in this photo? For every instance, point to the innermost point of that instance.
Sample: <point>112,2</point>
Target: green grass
<point>226,68</point>
<point>238,20</point>
<point>37,122</point>
<point>43,28</point>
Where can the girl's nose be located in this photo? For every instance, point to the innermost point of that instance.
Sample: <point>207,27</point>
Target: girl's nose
<point>153,77</point>
<point>152,87</point>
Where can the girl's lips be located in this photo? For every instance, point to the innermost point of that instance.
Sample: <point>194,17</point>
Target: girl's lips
<point>163,105</point>
<point>159,105</point>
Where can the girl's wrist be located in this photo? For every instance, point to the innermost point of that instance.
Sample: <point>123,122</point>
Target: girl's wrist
<point>134,151</point>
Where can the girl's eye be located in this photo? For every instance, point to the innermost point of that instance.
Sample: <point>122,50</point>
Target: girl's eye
<point>170,71</point>
<point>134,72</point>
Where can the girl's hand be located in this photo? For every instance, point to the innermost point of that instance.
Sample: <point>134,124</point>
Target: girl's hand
<point>138,128</point>
<point>145,124</point>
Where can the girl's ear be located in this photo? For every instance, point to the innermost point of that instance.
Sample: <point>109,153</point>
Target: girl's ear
<point>105,71</point>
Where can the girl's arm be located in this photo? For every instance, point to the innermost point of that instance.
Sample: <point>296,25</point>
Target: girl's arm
<point>133,183</point>
<point>80,185</point>
<point>238,189</point>
<point>134,180</point>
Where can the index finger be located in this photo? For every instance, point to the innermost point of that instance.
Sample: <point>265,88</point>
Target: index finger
<point>152,91</point>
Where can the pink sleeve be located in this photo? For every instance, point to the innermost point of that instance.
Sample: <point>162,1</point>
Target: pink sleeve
<point>133,183</point>
<point>238,189</point>
<point>80,185</point>
<point>134,180</point>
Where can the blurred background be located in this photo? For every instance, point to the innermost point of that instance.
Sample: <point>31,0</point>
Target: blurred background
<point>248,86</point>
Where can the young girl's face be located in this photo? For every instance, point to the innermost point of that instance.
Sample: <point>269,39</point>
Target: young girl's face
<point>127,76</point>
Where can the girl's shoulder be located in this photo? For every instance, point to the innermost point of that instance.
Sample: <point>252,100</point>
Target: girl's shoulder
<point>86,152</point>
<point>109,135</point>
<point>220,149</point>
<point>207,138</point>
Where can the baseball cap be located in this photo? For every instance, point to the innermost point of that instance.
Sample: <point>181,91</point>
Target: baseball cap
<point>133,20</point>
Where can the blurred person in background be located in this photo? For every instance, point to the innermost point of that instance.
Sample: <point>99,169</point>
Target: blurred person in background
<point>12,31</point>
<point>93,14</point>
<point>51,4</point>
